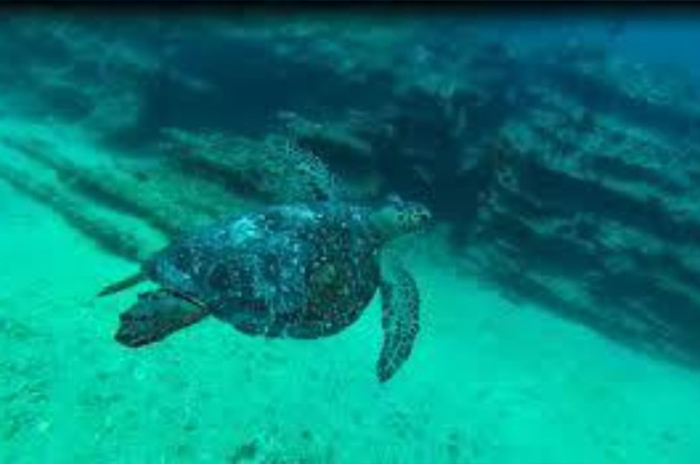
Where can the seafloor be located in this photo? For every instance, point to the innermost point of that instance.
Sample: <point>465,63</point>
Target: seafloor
<point>559,314</point>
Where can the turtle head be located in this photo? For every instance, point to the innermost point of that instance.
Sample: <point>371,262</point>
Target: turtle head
<point>155,316</point>
<point>396,217</point>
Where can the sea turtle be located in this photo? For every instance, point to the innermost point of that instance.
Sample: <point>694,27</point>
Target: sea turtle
<point>304,270</point>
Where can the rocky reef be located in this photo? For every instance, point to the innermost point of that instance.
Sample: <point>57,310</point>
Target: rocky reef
<point>565,176</point>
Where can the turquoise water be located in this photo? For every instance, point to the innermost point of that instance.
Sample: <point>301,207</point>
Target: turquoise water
<point>495,376</point>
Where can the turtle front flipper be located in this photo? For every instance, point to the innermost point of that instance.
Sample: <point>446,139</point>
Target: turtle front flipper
<point>155,316</point>
<point>400,319</point>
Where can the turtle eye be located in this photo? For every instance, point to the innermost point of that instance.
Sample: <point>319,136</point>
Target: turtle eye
<point>420,216</point>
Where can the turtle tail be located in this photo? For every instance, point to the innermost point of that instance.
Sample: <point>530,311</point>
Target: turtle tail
<point>122,284</point>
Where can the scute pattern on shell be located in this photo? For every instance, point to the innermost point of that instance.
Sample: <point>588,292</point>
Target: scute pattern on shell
<point>304,270</point>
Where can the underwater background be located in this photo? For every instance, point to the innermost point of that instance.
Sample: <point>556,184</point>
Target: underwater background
<point>560,284</point>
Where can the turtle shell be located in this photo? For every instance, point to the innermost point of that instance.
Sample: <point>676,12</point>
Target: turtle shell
<point>302,271</point>
<point>341,281</point>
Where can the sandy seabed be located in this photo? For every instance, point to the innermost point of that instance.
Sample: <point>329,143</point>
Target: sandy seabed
<point>488,382</point>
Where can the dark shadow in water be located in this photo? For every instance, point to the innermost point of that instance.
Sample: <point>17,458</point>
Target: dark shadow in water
<point>636,312</point>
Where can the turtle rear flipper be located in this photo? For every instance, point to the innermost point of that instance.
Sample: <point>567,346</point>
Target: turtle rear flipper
<point>400,319</point>
<point>155,316</point>
<point>122,284</point>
